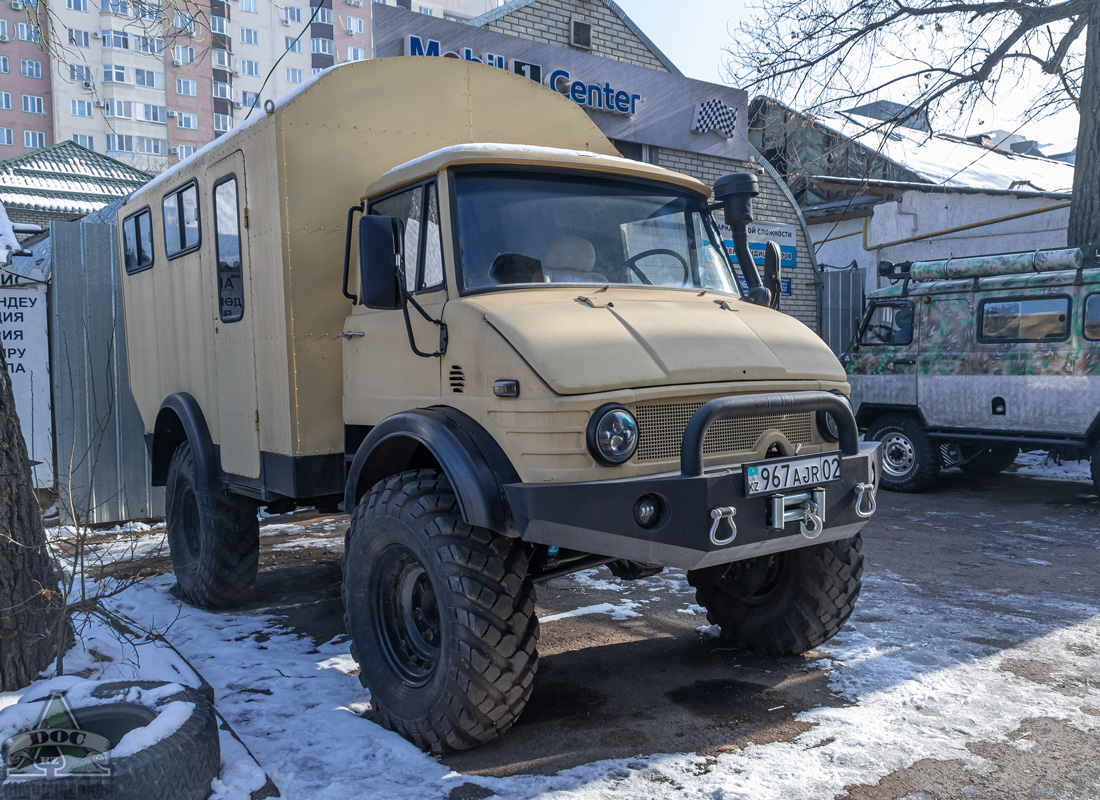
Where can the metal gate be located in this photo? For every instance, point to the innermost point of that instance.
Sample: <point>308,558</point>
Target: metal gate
<point>841,305</point>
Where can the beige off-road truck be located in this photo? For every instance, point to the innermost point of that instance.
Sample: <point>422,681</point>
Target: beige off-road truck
<point>508,361</point>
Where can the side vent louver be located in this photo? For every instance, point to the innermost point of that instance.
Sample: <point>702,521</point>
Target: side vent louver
<point>458,379</point>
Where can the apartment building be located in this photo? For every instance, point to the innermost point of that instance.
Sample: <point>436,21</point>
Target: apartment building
<point>150,83</point>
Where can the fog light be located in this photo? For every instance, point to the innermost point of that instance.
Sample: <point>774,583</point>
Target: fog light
<point>647,510</point>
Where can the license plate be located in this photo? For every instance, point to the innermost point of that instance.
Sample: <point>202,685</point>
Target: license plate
<point>769,477</point>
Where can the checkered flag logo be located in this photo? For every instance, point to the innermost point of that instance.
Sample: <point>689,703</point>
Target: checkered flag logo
<point>714,115</point>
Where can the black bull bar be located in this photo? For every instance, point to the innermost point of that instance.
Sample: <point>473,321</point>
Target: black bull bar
<point>598,516</point>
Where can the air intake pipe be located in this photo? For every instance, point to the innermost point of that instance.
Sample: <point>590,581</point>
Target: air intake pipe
<point>734,193</point>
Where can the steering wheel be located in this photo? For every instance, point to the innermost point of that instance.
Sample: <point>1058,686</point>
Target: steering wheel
<point>885,333</point>
<point>632,264</point>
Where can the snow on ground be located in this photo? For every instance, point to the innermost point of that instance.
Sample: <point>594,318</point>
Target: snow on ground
<point>1039,464</point>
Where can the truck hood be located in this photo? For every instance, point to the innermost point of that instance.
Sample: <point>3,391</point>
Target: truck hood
<point>584,340</point>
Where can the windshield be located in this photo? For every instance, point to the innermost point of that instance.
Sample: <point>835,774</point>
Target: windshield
<point>557,227</point>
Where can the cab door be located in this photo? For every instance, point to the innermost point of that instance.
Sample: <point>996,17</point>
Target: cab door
<point>234,349</point>
<point>882,369</point>
<point>944,384</point>
<point>382,373</point>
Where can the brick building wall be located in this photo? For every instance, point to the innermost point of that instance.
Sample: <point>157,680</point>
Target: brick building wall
<point>771,206</point>
<point>548,21</point>
<point>38,217</point>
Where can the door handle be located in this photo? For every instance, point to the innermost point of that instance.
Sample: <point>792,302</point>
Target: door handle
<point>900,362</point>
<point>350,334</point>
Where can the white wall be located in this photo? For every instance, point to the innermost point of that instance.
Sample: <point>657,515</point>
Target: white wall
<point>915,213</point>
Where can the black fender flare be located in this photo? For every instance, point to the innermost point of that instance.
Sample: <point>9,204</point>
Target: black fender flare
<point>180,419</point>
<point>473,462</point>
<point>869,412</point>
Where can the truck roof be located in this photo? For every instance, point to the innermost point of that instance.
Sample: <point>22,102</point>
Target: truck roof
<point>1066,277</point>
<point>524,155</point>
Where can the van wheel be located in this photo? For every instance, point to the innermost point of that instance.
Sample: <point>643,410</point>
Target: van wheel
<point>214,538</point>
<point>910,462</point>
<point>785,603</point>
<point>441,615</point>
<point>987,460</point>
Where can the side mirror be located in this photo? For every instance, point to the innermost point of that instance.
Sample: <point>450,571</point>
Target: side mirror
<point>381,261</point>
<point>773,273</point>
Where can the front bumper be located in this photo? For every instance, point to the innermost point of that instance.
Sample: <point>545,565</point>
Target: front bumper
<point>598,516</point>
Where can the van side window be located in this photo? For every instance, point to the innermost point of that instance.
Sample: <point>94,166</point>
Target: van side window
<point>137,239</point>
<point>418,208</point>
<point>181,220</point>
<point>888,324</point>
<point>1042,319</point>
<point>1092,317</point>
<point>227,243</point>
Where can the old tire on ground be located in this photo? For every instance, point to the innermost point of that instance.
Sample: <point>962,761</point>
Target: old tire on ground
<point>786,603</point>
<point>214,538</point>
<point>910,461</point>
<point>441,615</point>
<point>181,765</point>
<point>987,460</point>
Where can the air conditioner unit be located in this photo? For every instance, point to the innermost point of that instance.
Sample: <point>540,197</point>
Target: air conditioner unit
<point>172,113</point>
<point>286,22</point>
<point>16,5</point>
<point>356,3</point>
<point>97,35</point>
<point>236,73</point>
<point>173,150</point>
<point>238,104</point>
<point>99,104</point>
<point>5,38</point>
<point>88,85</point>
<point>176,62</point>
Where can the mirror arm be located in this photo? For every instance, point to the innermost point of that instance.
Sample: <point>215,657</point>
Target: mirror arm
<point>406,299</point>
<point>347,249</point>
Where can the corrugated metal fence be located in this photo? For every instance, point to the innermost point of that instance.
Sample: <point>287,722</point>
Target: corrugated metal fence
<point>841,306</point>
<point>102,468</point>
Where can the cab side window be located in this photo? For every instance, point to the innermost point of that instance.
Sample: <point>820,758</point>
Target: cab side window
<point>137,241</point>
<point>1092,317</point>
<point>888,324</point>
<point>1042,319</point>
<point>418,208</point>
<point>181,220</point>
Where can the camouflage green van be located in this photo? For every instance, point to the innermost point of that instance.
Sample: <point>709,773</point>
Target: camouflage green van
<point>965,362</point>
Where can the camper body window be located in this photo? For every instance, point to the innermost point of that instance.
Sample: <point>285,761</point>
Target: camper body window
<point>181,221</point>
<point>1092,317</point>
<point>227,242</point>
<point>137,237</point>
<point>1039,319</point>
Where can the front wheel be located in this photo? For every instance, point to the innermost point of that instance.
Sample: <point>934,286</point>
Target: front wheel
<point>785,603</point>
<point>910,462</point>
<point>441,615</point>
<point>214,538</point>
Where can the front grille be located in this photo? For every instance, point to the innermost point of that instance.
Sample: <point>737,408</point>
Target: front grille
<point>661,429</point>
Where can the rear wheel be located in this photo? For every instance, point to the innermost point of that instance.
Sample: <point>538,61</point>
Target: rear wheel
<point>214,538</point>
<point>987,460</point>
<point>910,462</point>
<point>785,603</point>
<point>441,615</point>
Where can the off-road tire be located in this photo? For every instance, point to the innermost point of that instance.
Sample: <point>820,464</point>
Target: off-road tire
<point>181,766</point>
<point>988,460</point>
<point>214,538</point>
<point>910,461</point>
<point>475,599</point>
<point>783,604</point>
<point>1094,465</point>
<point>633,570</point>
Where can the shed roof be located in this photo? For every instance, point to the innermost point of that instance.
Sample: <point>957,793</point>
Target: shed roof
<point>66,177</point>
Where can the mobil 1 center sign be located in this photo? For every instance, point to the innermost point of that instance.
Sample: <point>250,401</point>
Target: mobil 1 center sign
<point>625,101</point>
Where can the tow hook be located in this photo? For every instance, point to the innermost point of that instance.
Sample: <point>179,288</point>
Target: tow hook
<point>868,490</point>
<point>719,514</point>
<point>806,508</point>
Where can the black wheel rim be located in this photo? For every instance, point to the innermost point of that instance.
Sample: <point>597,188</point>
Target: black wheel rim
<point>771,583</point>
<point>406,615</point>
<point>187,528</point>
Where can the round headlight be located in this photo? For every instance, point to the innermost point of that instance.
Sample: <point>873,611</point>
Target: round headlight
<point>827,424</point>
<point>612,435</point>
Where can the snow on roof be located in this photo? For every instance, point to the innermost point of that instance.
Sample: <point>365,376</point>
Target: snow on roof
<point>8,242</point>
<point>950,161</point>
<point>66,177</point>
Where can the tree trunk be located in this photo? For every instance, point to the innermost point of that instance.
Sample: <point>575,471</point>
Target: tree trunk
<point>1084,214</point>
<point>29,601</point>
